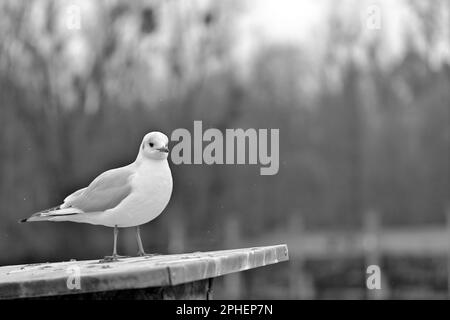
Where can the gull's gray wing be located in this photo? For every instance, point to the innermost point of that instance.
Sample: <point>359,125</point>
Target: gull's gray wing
<point>105,192</point>
<point>74,195</point>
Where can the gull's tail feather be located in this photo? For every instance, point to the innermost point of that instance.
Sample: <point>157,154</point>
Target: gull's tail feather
<point>48,214</point>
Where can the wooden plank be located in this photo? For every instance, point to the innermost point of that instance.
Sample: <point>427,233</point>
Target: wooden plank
<point>197,290</point>
<point>49,279</point>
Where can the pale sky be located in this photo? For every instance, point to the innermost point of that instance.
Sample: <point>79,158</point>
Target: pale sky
<point>285,20</point>
<point>304,22</point>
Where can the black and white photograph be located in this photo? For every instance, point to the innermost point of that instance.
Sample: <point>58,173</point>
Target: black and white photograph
<point>245,151</point>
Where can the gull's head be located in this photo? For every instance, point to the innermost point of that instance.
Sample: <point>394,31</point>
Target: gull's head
<point>155,146</point>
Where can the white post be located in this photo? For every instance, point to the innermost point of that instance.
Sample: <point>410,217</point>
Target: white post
<point>447,214</point>
<point>301,285</point>
<point>373,254</point>
<point>232,282</point>
<point>176,235</point>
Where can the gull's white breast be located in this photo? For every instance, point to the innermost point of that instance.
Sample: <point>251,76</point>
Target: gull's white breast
<point>151,191</point>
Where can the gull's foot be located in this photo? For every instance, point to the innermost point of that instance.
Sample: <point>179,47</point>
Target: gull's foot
<point>143,254</point>
<point>113,258</point>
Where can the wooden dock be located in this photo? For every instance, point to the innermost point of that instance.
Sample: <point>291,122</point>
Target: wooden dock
<point>178,276</point>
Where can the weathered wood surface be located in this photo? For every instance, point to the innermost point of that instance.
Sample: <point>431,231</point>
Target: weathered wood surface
<point>196,290</point>
<point>51,279</point>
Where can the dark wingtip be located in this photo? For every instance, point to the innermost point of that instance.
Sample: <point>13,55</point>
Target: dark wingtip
<point>23,220</point>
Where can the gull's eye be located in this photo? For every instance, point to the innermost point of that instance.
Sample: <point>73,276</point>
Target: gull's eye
<point>151,144</point>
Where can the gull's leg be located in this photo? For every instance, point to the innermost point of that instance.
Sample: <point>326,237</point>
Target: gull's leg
<point>114,256</point>
<point>116,234</point>
<point>141,251</point>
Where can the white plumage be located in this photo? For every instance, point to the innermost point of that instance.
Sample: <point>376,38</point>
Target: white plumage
<point>123,197</point>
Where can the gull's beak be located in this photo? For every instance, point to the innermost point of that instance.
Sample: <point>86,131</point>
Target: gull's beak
<point>164,149</point>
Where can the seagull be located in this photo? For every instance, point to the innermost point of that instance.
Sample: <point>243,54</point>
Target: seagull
<point>124,197</point>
